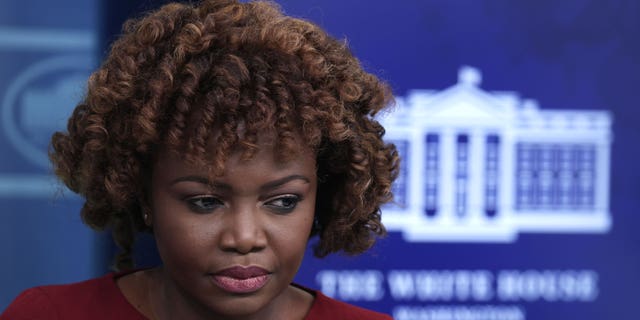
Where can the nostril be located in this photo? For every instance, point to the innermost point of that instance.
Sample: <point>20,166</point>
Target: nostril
<point>244,234</point>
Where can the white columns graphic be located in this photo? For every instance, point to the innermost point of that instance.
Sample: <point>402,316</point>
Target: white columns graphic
<point>476,194</point>
<point>447,183</point>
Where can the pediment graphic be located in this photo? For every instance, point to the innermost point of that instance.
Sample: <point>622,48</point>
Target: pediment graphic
<point>464,101</point>
<point>464,104</point>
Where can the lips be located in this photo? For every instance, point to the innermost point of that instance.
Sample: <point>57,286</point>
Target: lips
<point>241,279</point>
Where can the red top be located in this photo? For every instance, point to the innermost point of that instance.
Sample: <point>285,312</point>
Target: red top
<point>101,298</point>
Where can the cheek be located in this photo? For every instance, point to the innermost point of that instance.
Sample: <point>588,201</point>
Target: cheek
<point>181,239</point>
<point>292,234</point>
<point>290,240</point>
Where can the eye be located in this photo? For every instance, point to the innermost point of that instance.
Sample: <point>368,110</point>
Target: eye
<point>283,204</point>
<point>204,204</point>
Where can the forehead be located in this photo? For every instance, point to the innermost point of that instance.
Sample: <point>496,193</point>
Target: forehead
<point>263,165</point>
<point>265,148</point>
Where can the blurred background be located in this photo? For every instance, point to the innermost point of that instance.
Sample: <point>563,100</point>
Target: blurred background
<point>517,122</point>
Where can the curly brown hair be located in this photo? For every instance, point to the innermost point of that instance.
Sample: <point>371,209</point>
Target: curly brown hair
<point>184,72</point>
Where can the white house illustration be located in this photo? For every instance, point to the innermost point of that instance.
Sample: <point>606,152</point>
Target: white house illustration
<point>484,166</point>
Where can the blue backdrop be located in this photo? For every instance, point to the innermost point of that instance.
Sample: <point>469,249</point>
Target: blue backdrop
<point>575,56</point>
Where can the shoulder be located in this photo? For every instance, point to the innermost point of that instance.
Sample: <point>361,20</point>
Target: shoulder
<point>33,303</point>
<point>327,308</point>
<point>81,300</point>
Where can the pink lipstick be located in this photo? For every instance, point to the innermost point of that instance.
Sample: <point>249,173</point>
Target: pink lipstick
<point>241,279</point>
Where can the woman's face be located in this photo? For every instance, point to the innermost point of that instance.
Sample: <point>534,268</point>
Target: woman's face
<point>231,246</point>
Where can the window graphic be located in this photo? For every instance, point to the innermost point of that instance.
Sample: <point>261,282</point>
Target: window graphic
<point>399,186</point>
<point>555,177</point>
<point>462,174</point>
<point>491,175</point>
<point>483,166</point>
<point>431,175</point>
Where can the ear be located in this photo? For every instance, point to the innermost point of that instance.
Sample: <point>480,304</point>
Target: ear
<point>145,210</point>
<point>146,216</point>
<point>144,198</point>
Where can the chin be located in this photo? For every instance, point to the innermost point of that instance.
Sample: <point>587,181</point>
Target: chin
<point>239,306</point>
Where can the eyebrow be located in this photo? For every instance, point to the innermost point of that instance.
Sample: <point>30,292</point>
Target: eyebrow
<point>223,186</point>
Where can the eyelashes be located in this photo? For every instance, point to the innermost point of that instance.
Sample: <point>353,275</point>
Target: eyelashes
<point>281,204</point>
<point>204,204</point>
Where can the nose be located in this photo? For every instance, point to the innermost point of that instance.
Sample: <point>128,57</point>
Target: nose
<point>243,231</point>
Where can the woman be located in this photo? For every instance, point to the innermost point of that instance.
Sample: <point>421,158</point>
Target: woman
<point>234,134</point>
